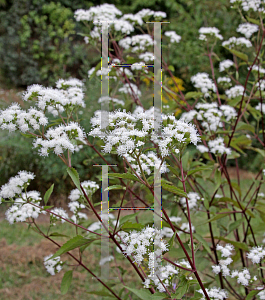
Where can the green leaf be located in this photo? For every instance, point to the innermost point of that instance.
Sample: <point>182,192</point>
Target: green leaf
<point>146,295</point>
<point>75,177</point>
<point>66,282</point>
<point>219,216</point>
<point>254,21</point>
<point>128,217</point>
<point>73,243</point>
<point>260,151</point>
<point>238,54</point>
<point>127,226</point>
<point>239,245</point>
<point>115,187</point>
<point>198,170</point>
<point>174,170</point>
<point>58,234</point>
<point>251,294</point>
<point>48,194</point>
<point>181,288</point>
<point>173,189</point>
<point>202,240</point>
<point>235,225</point>
<point>190,95</point>
<point>47,207</point>
<point>125,176</point>
<point>244,126</point>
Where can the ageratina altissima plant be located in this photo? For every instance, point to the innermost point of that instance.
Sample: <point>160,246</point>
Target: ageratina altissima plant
<point>210,245</point>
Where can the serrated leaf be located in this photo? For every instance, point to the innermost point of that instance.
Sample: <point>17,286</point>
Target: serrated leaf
<point>173,189</point>
<point>128,217</point>
<point>73,243</point>
<point>239,54</point>
<point>115,187</point>
<point>127,226</point>
<point>66,282</point>
<point>48,194</point>
<point>244,126</point>
<point>254,21</point>
<point>219,216</point>
<point>75,177</point>
<point>235,225</point>
<point>124,176</point>
<point>190,95</point>
<point>58,234</point>
<point>197,170</point>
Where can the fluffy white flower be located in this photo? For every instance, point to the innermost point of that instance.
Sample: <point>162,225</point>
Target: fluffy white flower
<point>174,38</point>
<point>256,254</point>
<point>233,42</point>
<point>225,65</point>
<point>226,250</point>
<point>209,31</point>
<point>243,277</point>
<point>214,294</point>
<point>16,184</point>
<point>202,148</point>
<point>247,29</point>
<point>203,82</point>
<point>235,91</point>
<point>60,212</point>
<point>193,197</point>
<point>53,265</point>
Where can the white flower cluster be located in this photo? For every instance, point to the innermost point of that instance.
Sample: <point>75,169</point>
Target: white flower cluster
<point>174,38</point>
<point>140,246</point>
<point>235,91</point>
<point>256,68</point>
<point>233,42</point>
<point>147,56</point>
<point>243,277</point>
<point>131,89</point>
<point>193,197</point>
<point>217,147</point>
<point>76,198</point>
<point>255,5</point>
<point>209,32</point>
<point>256,254</point>
<point>60,139</point>
<point>21,210</point>
<point>126,137</point>
<point>114,100</point>
<point>262,293</point>
<point>224,81</point>
<point>203,82</point>
<point>147,162</point>
<point>137,42</point>
<point>54,265</point>
<point>214,294</point>
<point>16,185</point>
<point>68,95</point>
<point>247,29</point>
<point>225,64</point>
<point>14,118</point>
<point>210,115</point>
<point>60,212</point>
